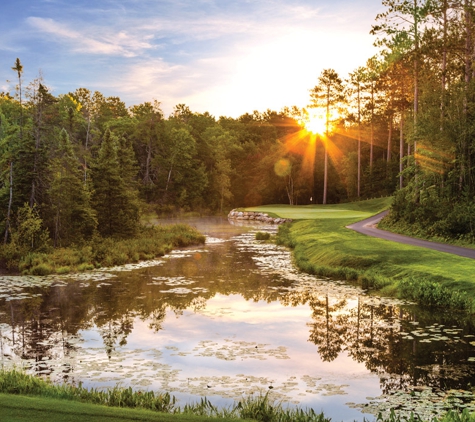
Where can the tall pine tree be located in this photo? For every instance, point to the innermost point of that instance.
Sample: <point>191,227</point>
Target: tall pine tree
<point>114,199</point>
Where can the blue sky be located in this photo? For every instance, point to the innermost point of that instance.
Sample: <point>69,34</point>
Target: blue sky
<point>225,57</point>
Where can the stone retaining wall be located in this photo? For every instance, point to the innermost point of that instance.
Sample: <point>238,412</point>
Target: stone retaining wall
<point>256,216</point>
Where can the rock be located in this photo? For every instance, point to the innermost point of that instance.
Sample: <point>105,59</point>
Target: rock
<point>257,216</point>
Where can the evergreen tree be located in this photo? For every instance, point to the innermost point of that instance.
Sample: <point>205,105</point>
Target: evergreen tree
<point>72,218</point>
<point>113,198</point>
<point>328,94</point>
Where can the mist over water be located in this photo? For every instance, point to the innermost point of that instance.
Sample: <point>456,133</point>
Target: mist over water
<point>235,318</point>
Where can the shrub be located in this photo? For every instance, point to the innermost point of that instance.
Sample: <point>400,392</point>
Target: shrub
<point>432,294</point>
<point>41,269</point>
<point>85,267</point>
<point>63,270</point>
<point>262,236</point>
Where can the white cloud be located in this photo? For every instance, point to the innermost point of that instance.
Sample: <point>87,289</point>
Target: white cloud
<point>277,71</point>
<point>227,58</point>
<point>119,43</point>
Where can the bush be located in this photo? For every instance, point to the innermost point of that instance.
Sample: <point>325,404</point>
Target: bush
<point>262,236</point>
<point>63,270</point>
<point>432,294</point>
<point>41,269</point>
<point>149,243</point>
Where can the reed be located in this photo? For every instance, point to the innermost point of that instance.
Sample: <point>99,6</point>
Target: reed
<point>150,242</point>
<point>258,408</point>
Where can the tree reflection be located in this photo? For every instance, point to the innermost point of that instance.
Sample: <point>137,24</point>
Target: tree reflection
<point>41,329</point>
<point>329,327</point>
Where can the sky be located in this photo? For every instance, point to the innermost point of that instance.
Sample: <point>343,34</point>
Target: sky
<point>225,57</point>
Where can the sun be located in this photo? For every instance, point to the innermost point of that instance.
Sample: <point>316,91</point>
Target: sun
<point>316,124</point>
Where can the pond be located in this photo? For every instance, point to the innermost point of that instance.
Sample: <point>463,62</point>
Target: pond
<point>234,318</point>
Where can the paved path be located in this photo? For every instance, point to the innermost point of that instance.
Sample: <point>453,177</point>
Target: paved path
<point>368,227</point>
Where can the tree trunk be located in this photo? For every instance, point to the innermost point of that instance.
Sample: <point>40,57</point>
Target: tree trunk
<point>359,142</point>
<point>87,144</point>
<point>390,136</point>
<point>372,129</point>
<point>401,149</point>
<point>147,179</point>
<point>10,201</point>
<point>444,66</point>
<point>325,174</point>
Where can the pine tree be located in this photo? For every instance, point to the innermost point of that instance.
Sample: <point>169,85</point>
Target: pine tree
<point>72,218</point>
<point>113,198</point>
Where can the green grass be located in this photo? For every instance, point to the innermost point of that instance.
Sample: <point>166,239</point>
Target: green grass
<point>28,398</point>
<point>43,409</point>
<point>324,246</point>
<point>353,210</point>
<point>50,402</point>
<point>150,242</point>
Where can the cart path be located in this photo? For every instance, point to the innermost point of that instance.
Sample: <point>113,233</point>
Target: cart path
<point>368,227</point>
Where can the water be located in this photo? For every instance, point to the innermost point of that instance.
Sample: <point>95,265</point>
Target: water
<point>235,318</point>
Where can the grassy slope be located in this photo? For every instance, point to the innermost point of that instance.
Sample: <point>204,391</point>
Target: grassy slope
<point>324,246</point>
<point>15,408</point>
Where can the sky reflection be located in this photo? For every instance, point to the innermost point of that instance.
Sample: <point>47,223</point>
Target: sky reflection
<point>239,320</point>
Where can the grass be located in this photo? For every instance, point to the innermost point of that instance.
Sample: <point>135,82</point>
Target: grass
<point>262,236</point>
<point>49,402</point>
<point>44,409</point>
<point>27,398</point>
<point>150,243</point>
<point>324,246</point>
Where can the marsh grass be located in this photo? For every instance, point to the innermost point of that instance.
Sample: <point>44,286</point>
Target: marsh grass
<point>257,408</point>
<point>262,236</point>
<point>151,242</point>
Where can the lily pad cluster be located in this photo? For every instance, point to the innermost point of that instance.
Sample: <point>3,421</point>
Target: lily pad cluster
<point>424,403</point>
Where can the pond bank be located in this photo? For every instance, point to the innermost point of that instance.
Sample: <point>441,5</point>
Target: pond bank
<point>150,243</point>
<point>25,397</point>
<point>257,216</point>
<point>324,246</point>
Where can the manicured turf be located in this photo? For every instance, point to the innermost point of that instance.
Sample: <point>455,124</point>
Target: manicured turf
<point>354,210</point>
<point>324,246</point>
<point>15,408</point>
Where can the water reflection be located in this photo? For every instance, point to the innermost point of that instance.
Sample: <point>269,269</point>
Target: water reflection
<point>230,318</point>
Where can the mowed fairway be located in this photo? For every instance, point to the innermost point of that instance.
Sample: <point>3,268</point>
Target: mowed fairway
<point>15,408</point>
<point>351,211</point>
<point>324,246</point>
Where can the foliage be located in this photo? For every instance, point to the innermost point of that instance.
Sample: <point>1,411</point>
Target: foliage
<point>262,236</point>
<point>325,247</point>
<point>18,382</point>
<point>259,408</point>
<point>432,294</point>
<point>149,243</point>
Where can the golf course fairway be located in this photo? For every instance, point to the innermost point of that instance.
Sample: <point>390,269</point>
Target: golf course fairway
<point>322,245</point>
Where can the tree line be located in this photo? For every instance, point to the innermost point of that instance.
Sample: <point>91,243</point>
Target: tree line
<point>81,164</point>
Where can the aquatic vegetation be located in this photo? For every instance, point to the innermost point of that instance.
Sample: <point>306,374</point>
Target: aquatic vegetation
<point>226,322</point>
<point>262,236</point>
<point>423,404</point>
<point>451,408</point>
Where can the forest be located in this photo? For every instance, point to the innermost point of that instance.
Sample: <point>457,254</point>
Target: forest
<point>79,165</point>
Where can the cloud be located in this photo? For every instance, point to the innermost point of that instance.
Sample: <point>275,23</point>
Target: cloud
<point>225,57</point>
<point>118,43</point>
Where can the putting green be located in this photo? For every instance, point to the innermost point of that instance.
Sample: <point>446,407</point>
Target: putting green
<point>354,210</point>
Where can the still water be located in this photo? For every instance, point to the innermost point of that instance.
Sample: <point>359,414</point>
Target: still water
<point>234,318</point>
